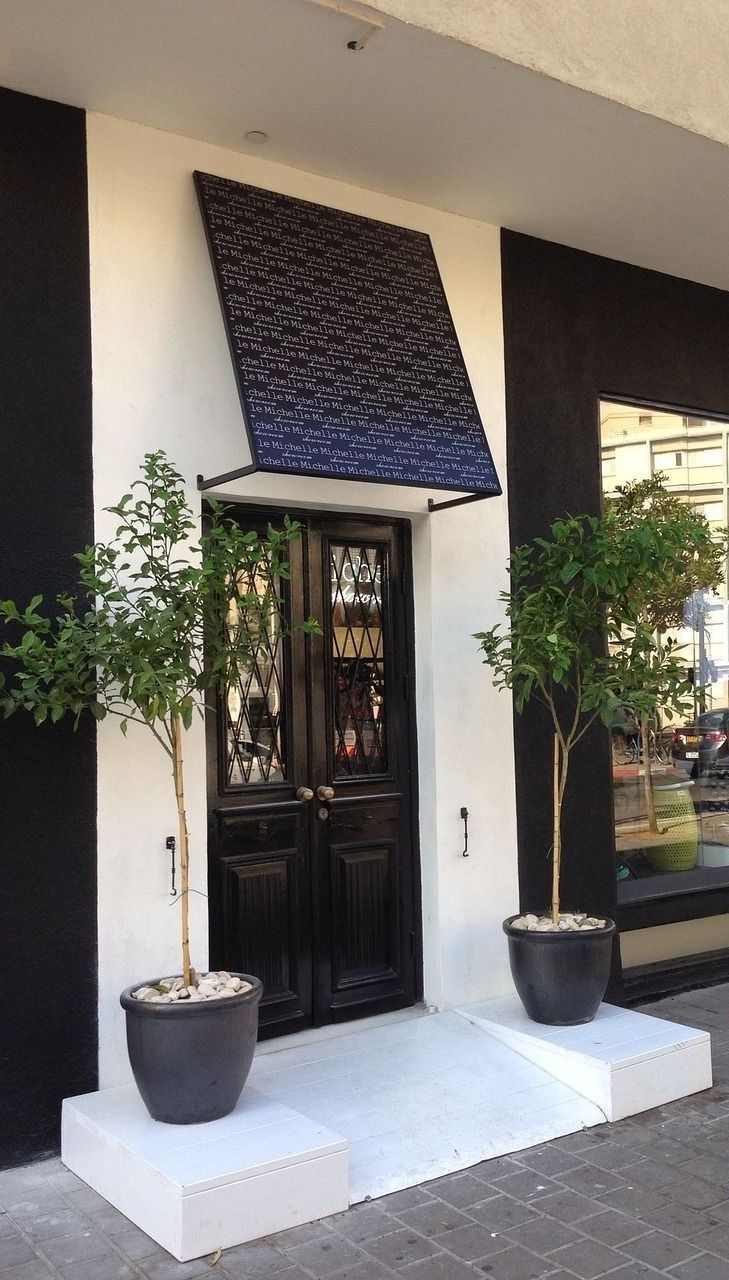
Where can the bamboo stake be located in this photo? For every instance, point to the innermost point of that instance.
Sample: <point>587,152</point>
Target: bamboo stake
<point>177,773</point>
<point>556,834</point>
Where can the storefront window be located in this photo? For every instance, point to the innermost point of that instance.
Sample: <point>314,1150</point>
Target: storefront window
<point>684,843</point>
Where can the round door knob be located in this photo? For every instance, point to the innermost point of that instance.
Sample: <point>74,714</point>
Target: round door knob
<point>304,794</point>
<point>325,793</point>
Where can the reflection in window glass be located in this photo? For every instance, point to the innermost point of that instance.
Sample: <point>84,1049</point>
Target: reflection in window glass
<point>688,759</point>
<point>253,705</point>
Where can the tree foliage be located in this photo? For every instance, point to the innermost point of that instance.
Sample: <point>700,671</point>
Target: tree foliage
<point>699,554</point>
<point>575,638</point>
<point>162,617</point>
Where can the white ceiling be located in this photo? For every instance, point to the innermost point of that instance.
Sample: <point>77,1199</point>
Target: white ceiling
<point>664,58</point>
<point>413,114</point>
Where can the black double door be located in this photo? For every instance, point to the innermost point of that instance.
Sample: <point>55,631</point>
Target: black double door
<point>313,856</point>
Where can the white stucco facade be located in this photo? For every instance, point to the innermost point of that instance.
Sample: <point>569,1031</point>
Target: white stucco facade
<point>162,378</point>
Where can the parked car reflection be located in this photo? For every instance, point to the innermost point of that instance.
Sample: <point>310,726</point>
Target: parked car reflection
<point>702,745</point>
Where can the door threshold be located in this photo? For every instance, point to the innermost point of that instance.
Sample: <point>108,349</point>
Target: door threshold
<point>313,1035</point>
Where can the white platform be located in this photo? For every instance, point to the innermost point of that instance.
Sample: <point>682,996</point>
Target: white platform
<point>625,1062</point>
<point>197,1188</point>
<point>408,1097</point>
<point>420,1097</point>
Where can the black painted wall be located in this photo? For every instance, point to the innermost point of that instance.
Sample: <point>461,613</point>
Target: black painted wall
<point>47,776</point>
<point>578,327</point>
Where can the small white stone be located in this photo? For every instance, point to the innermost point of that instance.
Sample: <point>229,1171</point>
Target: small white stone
<point>531,919</point>
<point>223,975</point>
<point>235,984</point>
<point>142,993</point>
<point>519,923</point>
<point>226,991</point>
<point>192,991</point>
<point>184,994</point>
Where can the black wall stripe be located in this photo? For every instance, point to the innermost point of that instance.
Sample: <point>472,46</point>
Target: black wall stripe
<point>48,776</point>
<point>576,327</point>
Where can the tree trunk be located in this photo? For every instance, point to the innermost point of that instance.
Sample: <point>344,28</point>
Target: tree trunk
<point>650,802</point>
<point>178,775</point>
<point>556,832</point>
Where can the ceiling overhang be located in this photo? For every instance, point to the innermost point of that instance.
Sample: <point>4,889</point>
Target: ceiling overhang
<point>411,113</point>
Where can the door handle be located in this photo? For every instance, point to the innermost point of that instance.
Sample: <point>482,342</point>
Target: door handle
<point>304,793</point>
<point>325,793</point>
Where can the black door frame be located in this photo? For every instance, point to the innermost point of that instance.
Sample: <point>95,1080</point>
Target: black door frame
<point>299,665</point>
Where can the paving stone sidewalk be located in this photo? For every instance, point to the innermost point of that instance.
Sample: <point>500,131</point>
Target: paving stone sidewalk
<point>643,1198</point>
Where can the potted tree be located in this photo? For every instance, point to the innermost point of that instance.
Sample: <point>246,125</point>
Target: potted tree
<point>569,645</point>
<point>160,624</point>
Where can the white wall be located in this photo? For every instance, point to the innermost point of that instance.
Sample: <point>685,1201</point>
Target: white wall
<point>163,379</point>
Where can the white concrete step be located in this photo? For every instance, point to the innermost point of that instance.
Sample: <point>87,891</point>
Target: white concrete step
<point>624,1061</point>
<point>330,1120</point>
<point>198,1188</point>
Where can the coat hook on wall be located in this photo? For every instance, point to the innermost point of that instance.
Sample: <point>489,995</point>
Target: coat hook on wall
<point>464,815</point>
<point>171,844</point>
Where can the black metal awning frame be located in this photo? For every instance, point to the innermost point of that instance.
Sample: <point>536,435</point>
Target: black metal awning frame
<point>214,482</point>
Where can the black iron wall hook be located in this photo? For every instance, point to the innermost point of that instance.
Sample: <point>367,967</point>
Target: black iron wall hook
<point>464,815</point>
<point>171,844</point>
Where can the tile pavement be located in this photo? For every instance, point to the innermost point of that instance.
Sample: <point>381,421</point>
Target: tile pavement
<point>643,1198</point>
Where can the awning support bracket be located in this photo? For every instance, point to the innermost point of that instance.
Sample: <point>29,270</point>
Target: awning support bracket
<point>215,481</point>
<point>458,502</point>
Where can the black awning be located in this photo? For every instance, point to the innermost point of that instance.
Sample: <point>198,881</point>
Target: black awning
<point>346,358</point>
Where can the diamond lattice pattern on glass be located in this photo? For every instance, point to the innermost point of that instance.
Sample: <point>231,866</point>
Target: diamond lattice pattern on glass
<point>255,746</point>
<point>357,576</point>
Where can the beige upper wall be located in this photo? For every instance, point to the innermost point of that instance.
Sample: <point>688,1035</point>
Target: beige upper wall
<point>668,58</point>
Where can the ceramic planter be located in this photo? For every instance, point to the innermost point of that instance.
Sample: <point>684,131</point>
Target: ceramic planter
<point>560,977</point>
<point>191,1059</point>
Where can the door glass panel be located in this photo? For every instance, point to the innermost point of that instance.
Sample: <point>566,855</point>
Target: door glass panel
<point>357,575</point>
<point>254,701</point>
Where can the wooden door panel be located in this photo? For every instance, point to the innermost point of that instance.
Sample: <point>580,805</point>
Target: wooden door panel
<point>370,936</point>
<point>265,904</point>
<point>364,887</point>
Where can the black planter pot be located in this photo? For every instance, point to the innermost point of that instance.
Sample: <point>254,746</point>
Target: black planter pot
<point>191,1061</point>
<point>560,977</point>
